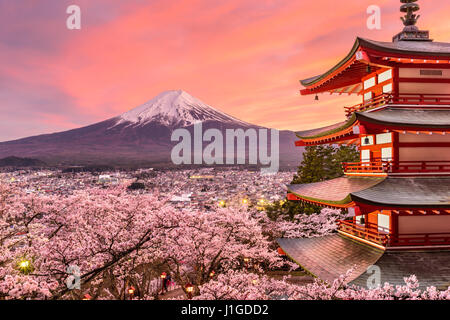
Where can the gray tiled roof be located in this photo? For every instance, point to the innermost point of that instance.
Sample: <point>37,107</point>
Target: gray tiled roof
<point>335,190</point>
<point>407,192</point>
<point>432,268</point>
<point>318,131</point>
<point>411,47</point>
<point>408,117</point>
<point>331,256</point>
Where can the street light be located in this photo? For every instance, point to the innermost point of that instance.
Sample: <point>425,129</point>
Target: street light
<point>25,266</point>
<point>244,201</point>
<point>222,203</point>
<point>131,292</point>
<point>189,290</point>
<point>211,274</point>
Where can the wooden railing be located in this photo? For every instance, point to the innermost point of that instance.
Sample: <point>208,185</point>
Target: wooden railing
<point>404,98</point>
<point>419,166</point>
<point>420,239</point>
<point>368,231</point>
<point>375,102</point>
<point>366,167</point>
<point>380,167</point>
<point>413,98</point>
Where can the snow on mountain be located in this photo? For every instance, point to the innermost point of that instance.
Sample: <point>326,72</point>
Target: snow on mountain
<point>174,109</point>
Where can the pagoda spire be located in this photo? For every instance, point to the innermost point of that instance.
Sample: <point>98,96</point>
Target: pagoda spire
<point>410,31</point>
<point>410,7</point>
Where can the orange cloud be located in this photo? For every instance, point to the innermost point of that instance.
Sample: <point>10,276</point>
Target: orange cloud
<point>243,57</point>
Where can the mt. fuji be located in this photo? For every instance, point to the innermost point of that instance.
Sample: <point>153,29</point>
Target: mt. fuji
<point>139,137</point>
<point>175,109</point>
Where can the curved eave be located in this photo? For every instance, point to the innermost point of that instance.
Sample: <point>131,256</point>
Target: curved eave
<point>342,204</point>
<point>311,81</point>
<point>410,51</point>
<point>406,193</point>
<point>332,193</point>
<point>437,122</point>
<point>403,49</point>
<point>344,132</point>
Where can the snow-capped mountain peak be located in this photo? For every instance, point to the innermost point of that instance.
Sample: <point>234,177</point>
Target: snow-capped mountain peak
<point>174,109</point>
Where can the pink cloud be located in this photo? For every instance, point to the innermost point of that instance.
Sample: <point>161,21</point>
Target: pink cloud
<point>243,57</point>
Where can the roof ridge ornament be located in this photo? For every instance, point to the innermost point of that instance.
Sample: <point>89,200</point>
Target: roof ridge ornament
<point>411,32</point>
<point>410,19</point>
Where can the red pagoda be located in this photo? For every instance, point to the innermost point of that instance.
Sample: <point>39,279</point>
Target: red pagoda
<point>398,194</point>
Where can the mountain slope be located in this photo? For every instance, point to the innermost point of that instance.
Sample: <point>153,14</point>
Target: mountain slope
<point>140,136</point>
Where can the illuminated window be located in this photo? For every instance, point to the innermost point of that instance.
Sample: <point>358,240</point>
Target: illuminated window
<point>388,88</point>
<point>382,77</point>
<point>384,138</point>
<point>369,83</point>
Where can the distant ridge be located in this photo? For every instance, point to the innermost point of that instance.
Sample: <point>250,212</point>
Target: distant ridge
<point>21,162</point>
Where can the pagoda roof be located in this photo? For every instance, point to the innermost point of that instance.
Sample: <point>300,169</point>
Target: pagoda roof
<point>348,72</point>
<point>417,118</point>
<point>320,132</point>
<point>428,117</point>
<point>340,131</point>
<point>415,48</point>
<point>329,257</point>
<point>430,267</point>
<point>414,192</point>
<point>335,192</point>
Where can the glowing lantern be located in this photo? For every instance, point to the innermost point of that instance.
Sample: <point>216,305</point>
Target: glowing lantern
<point>25,266</point>
<point>189,288</point>
<point>163,275</point>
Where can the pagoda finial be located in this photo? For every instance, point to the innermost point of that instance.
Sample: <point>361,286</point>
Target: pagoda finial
<point>410,31</point>
<point>409,7</point>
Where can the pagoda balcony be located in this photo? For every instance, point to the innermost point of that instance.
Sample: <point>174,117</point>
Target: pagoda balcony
<point>404,98</point>
<point>369,232</point>
<point>384,168</point>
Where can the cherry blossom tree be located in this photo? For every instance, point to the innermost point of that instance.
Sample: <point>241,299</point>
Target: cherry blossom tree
<point>102,241</point>
<point>248,286</point>
<point>113,243</point>
<point>206,244</point>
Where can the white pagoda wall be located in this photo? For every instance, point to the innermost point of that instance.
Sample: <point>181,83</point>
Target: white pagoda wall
<point>425,88</point>
<point>429,88</point>
<point>421,153</point>
<point>423,224</point>
<point>415,73</point>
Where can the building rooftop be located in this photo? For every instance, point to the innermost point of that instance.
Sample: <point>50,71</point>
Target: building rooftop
<point>351,69</point>
<point>329,257</point>
<point>409,47</point>
<point>432,118</point>
<point>407,192</point>
<point>335,191</point>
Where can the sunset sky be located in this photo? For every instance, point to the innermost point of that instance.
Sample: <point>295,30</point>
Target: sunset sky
<point>244,57</point>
